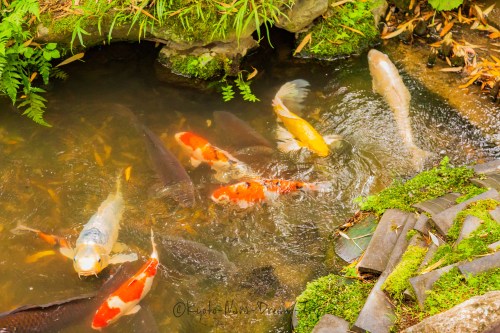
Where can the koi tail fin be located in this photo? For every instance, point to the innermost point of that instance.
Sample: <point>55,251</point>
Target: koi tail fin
<point>20,228</point>
<point>420,156</point>
<point>292,94</point>
<point>119,181</point>
<point>286,141</point>
<point>154,253</point>
<point>322,187</point>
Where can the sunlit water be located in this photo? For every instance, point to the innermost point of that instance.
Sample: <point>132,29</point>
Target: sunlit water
<point>51,179</point>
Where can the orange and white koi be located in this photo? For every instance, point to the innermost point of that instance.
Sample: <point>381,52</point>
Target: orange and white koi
<point>248,193</point>
<point>125,300</point>
<point>51,239</point>
<point>200,150</point>
<point>298,132</point>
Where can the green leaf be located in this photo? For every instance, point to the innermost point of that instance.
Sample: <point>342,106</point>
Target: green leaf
<point>51,46</point>
<point>55,54</point>
<point>445,4</point>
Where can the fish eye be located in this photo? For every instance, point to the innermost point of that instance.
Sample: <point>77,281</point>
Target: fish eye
<point>99,260</point>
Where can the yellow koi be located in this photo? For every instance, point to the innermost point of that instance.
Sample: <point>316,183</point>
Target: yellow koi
<point>298,133</point>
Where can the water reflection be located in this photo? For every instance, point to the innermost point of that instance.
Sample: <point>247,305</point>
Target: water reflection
<point>54,179</point>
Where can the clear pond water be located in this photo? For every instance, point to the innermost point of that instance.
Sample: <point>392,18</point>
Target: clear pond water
<point>236,270</point>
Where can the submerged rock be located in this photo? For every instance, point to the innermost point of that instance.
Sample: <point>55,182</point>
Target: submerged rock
<point>351,249</point>
<point>478,314</point>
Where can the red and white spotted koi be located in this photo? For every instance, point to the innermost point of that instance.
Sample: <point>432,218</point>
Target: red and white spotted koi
<point>248,193</point>
<point>125,300</point>
<point>201,151</point>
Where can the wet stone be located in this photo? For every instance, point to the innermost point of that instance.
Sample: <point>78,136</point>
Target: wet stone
<point>422,224</point>
<point>480,265</point>
<point>401,245</point>
<point>490,181</point>
<point>470,224</point>
<point>494,246</point>
<point>444,220</point>
<point>424,282</point>
<point>495,214</point>
<point>489,167</point>
<point>379,250</point>
<point>377,315</point>
<point>331,324</point>
<point>437,205</point>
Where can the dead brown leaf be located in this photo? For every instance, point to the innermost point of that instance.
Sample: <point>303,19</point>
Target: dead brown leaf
<point>303,43</point>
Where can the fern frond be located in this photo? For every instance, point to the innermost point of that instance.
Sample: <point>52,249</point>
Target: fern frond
<point>35,106</point>
<point>58,73</point>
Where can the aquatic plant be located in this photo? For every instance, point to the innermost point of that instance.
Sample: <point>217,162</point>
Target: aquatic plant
<point>426,185</point>
<point>22,60</point>
<point>453,288</point>
<point>331,294</point>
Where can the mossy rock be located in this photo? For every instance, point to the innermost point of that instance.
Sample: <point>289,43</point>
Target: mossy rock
<point>332,294</point>
<point>345,30</point>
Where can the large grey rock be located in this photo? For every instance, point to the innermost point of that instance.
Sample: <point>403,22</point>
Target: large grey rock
<point>437,205</point>
<point>471,223</point>
<point>492,180</point>
<point>444,220</point>
<point>480,265</point>
<point>422,283</point>
<point>478,314</point>
<point>331,324</point>
<point>302,14</point>
<point>380,248</point>
<point>488,167</point>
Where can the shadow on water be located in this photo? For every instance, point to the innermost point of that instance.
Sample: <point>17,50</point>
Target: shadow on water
<point>224,269</point>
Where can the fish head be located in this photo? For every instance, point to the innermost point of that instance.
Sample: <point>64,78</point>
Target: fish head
<point>90,259</point>
<point>376,56</point>
<point>190,141</point>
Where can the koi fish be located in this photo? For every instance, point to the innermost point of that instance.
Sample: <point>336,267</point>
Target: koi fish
<point>125,300</point>
<point>58,315</point>
<point>200,150</point>
<point>387,82</point>
<point>174,178</point>
<point>298,133</point>
<point>247,193</point>
<point>175,182</point>
<point>98,237</point>
<point>51,239</point>
<point>238,133</point>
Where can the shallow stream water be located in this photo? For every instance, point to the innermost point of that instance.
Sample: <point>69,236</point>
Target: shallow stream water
<point>55,178</point>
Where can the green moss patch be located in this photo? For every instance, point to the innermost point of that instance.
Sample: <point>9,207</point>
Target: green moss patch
<point>203,67</point>
<point>397,282</point>
<point>453,288</point>
<point>477,242</point>
<point>424,186</point>
<point>330,294</point>
<point>347,29</point>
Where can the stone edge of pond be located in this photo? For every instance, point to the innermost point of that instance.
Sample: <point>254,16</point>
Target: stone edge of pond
<point>377,315</point>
